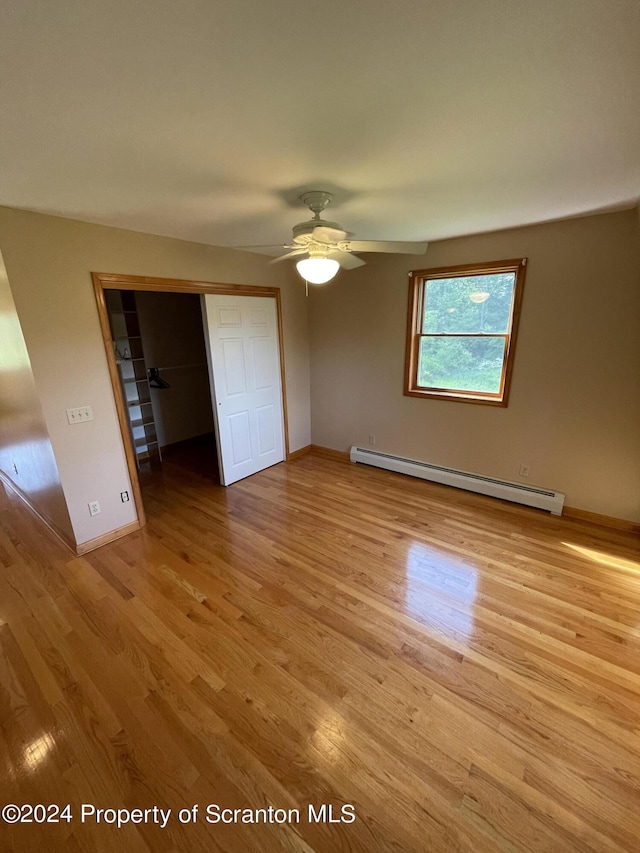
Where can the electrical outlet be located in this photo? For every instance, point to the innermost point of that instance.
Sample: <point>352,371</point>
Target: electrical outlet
<point>372,440</point>
<point>80,415</point>
<point>524,470</point>
<point>124,497</point>
<point>94,508</point>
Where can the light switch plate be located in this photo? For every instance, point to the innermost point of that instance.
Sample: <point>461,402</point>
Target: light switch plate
<point>79,415</point>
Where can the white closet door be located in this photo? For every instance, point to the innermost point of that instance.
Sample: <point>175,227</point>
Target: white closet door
<point>244,365</point>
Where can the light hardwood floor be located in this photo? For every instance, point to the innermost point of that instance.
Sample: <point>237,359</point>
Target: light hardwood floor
<point>464,672</point>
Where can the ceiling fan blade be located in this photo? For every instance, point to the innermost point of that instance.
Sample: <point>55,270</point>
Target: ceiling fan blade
<point>400,247</point>
<point>287,255</point>
<point>346,260</point>
<point>326,234</point>
<point>265,246</point>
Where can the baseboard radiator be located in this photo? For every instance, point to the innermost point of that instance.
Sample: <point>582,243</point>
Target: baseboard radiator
<point>515,492</point>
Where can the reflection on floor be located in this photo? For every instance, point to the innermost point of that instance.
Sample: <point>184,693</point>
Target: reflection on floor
<point>464,672</point>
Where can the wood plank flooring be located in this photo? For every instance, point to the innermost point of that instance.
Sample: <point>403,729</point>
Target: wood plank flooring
<point>463,673</point>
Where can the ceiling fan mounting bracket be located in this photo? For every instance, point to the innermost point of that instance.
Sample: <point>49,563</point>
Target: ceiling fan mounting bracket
<point>316,201</point>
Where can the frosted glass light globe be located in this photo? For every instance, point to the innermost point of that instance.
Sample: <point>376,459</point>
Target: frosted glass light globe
<point>317,270</point>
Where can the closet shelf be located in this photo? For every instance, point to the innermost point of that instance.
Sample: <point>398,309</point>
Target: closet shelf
<point>123,315</point>
<point>145,442</point>
<point>139,422</point>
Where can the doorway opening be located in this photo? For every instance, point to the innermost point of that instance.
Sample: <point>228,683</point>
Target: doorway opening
<point>157,378</point>
<point>160,350</point>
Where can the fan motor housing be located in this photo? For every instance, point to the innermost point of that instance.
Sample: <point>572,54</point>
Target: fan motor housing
<point>305,229</point>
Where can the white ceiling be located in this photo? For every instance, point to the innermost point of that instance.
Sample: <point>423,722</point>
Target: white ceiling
<point>205,119</point>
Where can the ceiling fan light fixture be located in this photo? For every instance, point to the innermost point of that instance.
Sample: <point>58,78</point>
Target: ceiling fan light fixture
<point>318,239</point>
<point>317,270</point>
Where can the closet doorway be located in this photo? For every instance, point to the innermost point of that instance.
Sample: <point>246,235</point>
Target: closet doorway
<point>176,352</point>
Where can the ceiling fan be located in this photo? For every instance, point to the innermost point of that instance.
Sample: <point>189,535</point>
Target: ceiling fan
<point>327,246</point>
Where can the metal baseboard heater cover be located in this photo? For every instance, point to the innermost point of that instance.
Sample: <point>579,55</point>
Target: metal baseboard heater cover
<point>515,492</point>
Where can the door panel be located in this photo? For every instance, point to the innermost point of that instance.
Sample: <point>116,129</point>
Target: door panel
<point>266,429</point>
<point>233,365</point>
<point>260,353</point>
<point>240,432</point>
<point>228,317</point>
<point>244,365</point>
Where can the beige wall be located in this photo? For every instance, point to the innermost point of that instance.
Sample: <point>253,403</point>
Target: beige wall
<point>26,455</point>
<point>49,261</point>
<point>574,411</point>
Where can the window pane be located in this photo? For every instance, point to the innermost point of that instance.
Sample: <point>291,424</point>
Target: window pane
<point>473,303</point>
<point>462,364</point>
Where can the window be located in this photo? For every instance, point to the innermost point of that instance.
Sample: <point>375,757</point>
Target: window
<point>461,331</point>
